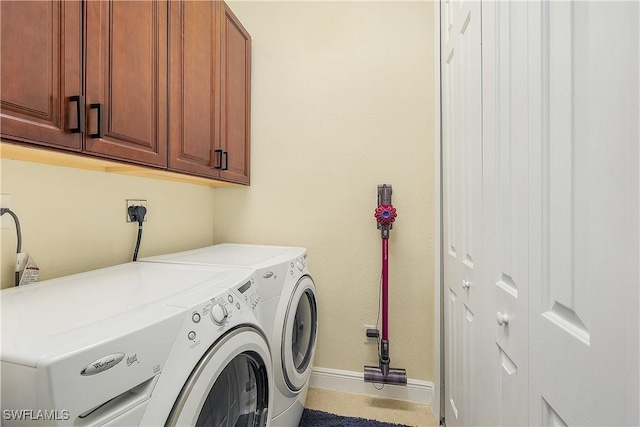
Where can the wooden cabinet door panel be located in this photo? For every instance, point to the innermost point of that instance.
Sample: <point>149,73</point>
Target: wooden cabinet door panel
<point>194,103</point>
<point>235,123</point>
<point>40,48</point>
<point>126,51</point>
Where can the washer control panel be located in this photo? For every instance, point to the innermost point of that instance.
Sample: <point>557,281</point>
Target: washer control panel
<point>298,264</point>
<point>216,314</point>
<point>301,262</point>
<point>251,293</point>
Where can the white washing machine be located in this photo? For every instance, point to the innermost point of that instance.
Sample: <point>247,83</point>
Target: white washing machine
<point>136,344</point>
<point>288,313</point>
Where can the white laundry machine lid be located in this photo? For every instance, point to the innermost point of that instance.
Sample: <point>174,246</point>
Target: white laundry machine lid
<point>56,316</point>
<point>233,254</point>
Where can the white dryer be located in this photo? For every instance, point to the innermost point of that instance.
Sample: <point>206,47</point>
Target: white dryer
<point>136,344</point>
<point>289,313</point>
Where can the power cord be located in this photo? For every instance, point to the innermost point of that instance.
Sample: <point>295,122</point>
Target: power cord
<point>137,213</point>
<point>19,233</point>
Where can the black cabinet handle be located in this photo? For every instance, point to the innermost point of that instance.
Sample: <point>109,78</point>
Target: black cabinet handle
<point>218,164</point>
<point>79,100</point>
<point>226,160</point>
<point>100,108</point>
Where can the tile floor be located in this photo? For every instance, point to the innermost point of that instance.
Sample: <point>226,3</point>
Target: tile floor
<point>371,407</point>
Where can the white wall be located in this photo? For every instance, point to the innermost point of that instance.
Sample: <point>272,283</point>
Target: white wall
<point>343,100</point>
<point>73,220</point>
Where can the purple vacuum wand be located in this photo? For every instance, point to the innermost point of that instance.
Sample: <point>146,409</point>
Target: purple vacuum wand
<point>385,215</point>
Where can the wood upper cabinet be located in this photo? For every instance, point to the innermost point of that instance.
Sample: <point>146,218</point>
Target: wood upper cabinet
<point>41,57</point>
<point>209,92</point>
<point>235,94</point>
<point>193,122</point>
<point>126,80</point>
<point>157,83</point>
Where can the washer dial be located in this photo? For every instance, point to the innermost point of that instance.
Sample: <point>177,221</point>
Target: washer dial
<point>219,314</point>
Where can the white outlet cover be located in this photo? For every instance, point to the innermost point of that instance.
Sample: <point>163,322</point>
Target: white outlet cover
<point>368,340</point>
<point>136,202</point>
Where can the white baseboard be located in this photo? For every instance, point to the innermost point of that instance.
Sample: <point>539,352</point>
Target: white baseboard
<point>353,382</point>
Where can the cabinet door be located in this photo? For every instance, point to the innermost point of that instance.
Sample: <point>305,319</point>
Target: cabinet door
<point>41,58</point>
<point>235,95</point>
<point>194,100</point>
<point>126,80</point>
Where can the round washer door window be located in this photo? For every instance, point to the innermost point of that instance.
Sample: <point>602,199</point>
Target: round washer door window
<point>230,385</point>
<point>236,398</point>
<point>301,324</point>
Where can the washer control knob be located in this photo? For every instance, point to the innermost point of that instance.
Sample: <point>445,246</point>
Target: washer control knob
<point>219,314</point>
<point>192,335</point>
<point>299,265</point>
<point>195,317</point>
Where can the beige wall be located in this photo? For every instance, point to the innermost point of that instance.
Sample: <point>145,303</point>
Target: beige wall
<point>343,100</point>
<point>74,220</point>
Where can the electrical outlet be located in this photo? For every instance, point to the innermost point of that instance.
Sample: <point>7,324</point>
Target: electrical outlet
<point>368,340</point>
<point>5,202</point>
<point>136,202</point>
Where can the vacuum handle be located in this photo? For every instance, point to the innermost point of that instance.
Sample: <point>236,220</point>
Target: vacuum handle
<point>384,194</point>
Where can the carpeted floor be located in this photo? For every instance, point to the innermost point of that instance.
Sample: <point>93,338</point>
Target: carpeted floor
<point>312,418</point>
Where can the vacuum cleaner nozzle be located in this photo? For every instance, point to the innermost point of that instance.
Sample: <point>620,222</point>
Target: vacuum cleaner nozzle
<point>383,373</point>
<point>396,376</point>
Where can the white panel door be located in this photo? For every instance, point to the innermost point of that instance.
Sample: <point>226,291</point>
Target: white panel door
<point>507,211</point>
<point>584,231</point>
<point>541,217</point>
<point>462,203</point>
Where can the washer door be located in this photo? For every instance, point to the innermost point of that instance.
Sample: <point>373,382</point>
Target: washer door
<point>229,386</point>
<point>299,334</point>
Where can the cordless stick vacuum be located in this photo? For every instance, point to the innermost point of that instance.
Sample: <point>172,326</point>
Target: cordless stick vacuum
<point>385,215</point>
